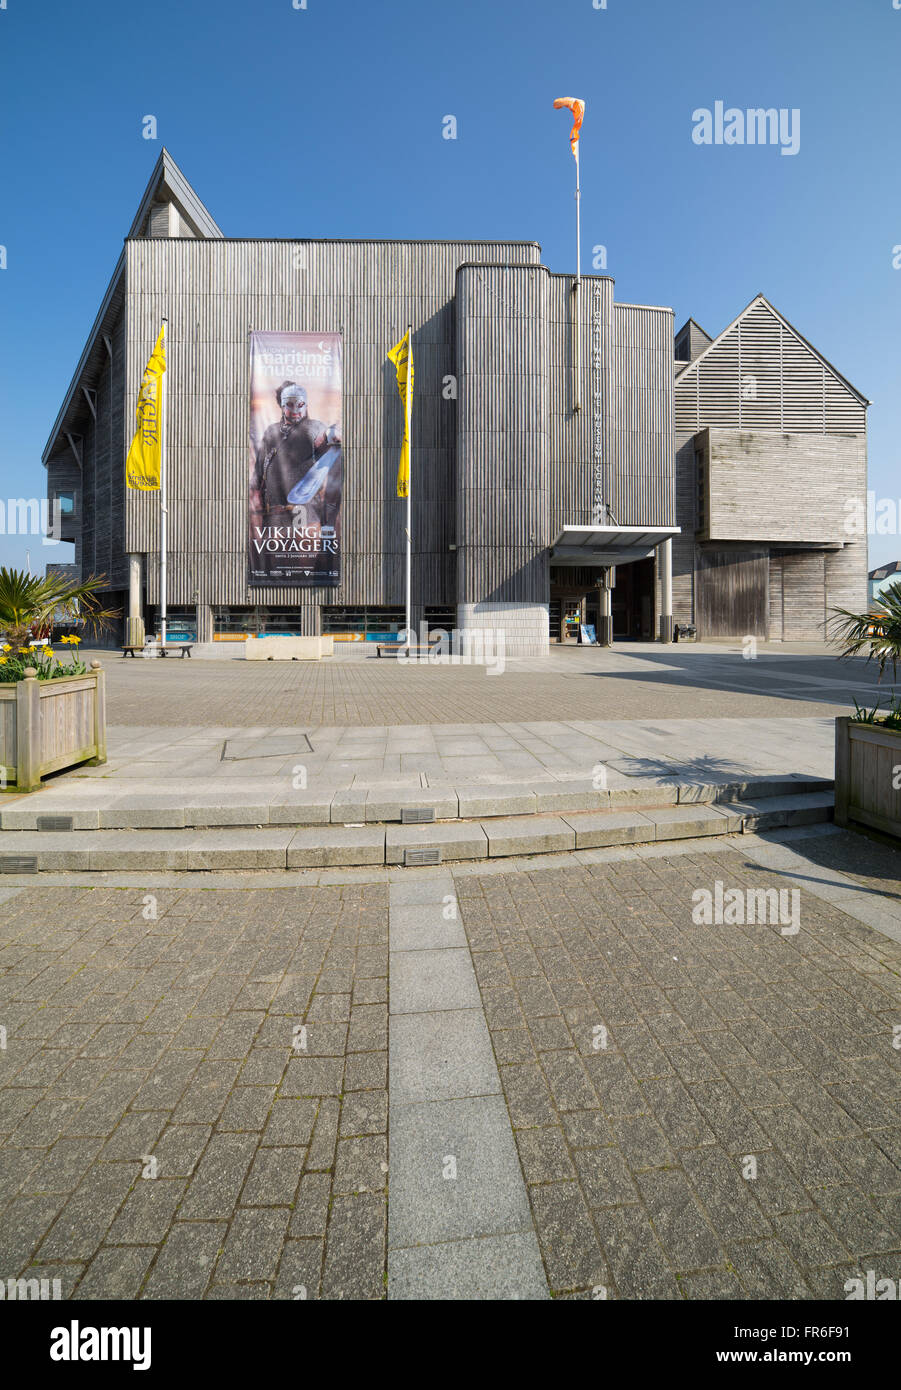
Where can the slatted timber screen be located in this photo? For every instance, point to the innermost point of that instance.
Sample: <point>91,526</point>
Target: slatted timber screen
<point>761,375</point>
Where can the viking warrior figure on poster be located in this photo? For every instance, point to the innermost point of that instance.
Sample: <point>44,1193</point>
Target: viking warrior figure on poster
<point>295,488</point>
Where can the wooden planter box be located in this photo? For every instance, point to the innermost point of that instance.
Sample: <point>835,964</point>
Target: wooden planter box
<point>49,725</point>
<point>867,768</point>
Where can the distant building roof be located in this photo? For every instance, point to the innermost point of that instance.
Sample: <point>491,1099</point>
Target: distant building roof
<point>883,572</point>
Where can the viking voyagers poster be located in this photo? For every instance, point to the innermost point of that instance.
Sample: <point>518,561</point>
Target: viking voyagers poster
<point>296,462</point>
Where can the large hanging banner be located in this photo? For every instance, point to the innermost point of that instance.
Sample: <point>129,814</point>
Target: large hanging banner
<point>296,462</point>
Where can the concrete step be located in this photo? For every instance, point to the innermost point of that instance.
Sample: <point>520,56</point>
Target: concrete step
<point>96,804</point>
<point>329,846</point>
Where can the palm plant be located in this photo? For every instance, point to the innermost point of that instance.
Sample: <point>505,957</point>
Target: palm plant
<point>29,603</point>
<point>876,632</point>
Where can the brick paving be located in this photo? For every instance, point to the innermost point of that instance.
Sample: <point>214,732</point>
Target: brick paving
<point>634,681</point>
<point>167,1130</point>
<point>649,1067</point>
<point>728,1050</point>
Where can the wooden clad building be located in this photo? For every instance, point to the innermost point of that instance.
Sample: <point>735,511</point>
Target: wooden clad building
<point>545,424</point>
<point>771,464</point>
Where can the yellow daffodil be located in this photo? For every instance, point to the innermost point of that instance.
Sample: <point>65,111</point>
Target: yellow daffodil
<point>7,647</point>
<point>3,660</point>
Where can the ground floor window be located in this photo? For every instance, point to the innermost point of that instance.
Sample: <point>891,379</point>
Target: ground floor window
<point>443,618</point>
<point>363,624</point>
<point>256,622</point>
<point>181,624</point>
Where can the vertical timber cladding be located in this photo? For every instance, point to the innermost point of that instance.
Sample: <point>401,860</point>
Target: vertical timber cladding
<point>732,592</point>
<point>215,293</point>
<point>503,435</point>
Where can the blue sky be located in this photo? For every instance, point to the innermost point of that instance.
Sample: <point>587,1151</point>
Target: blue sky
<point>327,122</point>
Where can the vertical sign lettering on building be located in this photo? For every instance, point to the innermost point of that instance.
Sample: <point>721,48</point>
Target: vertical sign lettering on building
<point>598,510</point>
<point>296,459</point>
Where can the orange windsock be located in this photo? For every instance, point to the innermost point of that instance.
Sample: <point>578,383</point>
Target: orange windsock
<point>577,107</point>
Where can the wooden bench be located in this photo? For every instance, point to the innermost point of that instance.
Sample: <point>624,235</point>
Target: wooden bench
<point>183,647</point>
<point>395,648</point>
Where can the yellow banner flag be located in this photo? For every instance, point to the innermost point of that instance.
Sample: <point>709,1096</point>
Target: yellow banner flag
<point>402,357</point>
<point>142,466</point>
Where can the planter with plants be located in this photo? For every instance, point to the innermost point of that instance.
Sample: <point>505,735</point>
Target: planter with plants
<point>868,742</point>
<point>52,707</point>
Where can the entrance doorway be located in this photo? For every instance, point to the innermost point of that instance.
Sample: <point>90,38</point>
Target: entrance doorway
<point>633,602</point>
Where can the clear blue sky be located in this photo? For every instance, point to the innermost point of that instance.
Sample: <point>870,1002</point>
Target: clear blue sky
<point>326,122</point>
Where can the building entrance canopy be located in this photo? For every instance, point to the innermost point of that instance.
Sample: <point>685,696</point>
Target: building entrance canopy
<point>608,545</point>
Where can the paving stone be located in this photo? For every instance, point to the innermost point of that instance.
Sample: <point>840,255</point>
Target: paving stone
<point>527,1095</point>
<point>544,1155</point>
<point>147,1213</point>
<point>185,1264</point>
<point>355,1255</point>
<point>681,1226</point>
<point>495,1267</point>
<point>361,1164</point>
<point>585,1129</point>
<point>290,1121</point>
<point>637,1262</point>
<point>321,1153</point>
<point>572,1256</point>
<point>366,1071</point>
<point>218,1177</point>
<point>808,1239</point>
<point>441,1056</point>
<point>728,1197</point>
<point>178,1150</point>
<point>364,1112</point>
<point>116,1273</point>
<point>605,1178</point>
<point>300,1270</point>
<point>312,1076</point>
<point>424,926</point>
<point>253,1245</point>
<point>767,1271</point>
<point>427,981</point>
<point>485,1197</point>
<point>247,1108</point>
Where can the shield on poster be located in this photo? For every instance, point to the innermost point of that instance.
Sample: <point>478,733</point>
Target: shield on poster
<point>296,460</point>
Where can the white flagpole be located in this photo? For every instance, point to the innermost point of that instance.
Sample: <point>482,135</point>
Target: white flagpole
<point>409,427</point>
<point>164,426</point>
<point>577,327</point>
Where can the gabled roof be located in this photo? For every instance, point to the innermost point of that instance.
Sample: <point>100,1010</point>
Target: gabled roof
<point>169,185</point>
<point>884,571</point>
<point>686,327</point>
<point>762,299</point>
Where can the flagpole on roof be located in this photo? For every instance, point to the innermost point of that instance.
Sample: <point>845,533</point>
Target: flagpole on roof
<point>164,510</point>
<point>577,313</point>
<point>577,108</point>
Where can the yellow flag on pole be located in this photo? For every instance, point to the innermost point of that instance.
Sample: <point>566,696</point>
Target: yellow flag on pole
<point>402,357</point>
<point>142,466</point>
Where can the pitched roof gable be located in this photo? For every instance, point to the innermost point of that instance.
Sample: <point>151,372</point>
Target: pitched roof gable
<point>760,299</point>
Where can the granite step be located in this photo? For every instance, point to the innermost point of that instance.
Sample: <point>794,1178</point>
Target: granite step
<point>86,805</point>
<point>328,846</point>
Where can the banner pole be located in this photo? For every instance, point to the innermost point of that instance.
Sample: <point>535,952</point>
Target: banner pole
<point>577,335</point>
<point>164,427</point>
<point>409,425</point>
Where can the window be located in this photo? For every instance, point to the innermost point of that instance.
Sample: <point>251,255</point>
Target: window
<point>368,621</point>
